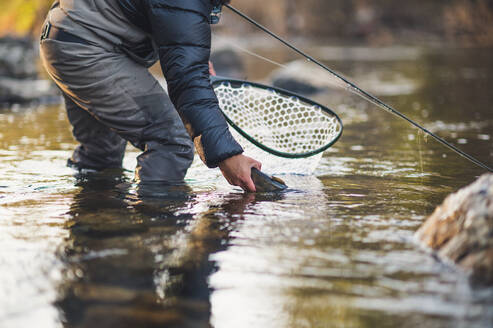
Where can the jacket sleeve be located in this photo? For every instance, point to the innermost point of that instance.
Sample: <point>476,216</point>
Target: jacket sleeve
<point>182,34</point>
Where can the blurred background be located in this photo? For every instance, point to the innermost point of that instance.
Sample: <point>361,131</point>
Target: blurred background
<point>467,22</point>
<point>311,24</point>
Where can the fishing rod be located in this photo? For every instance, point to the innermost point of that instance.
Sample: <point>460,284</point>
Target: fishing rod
<point>354,88</point>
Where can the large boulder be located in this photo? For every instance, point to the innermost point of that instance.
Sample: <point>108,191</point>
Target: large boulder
<point>461,229</point>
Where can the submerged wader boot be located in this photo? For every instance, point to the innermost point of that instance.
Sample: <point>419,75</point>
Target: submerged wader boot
<point>111,97</point>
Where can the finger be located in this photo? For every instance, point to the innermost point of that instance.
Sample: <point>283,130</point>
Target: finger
<point>241,185</point>
<point>238,183</point>
<point>250,186</point>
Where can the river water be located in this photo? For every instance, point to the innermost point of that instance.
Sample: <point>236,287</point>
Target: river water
<point>336,250</point>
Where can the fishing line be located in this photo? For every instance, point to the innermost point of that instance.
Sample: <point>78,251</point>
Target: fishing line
<point>355,89</point>
<point>251,53</point>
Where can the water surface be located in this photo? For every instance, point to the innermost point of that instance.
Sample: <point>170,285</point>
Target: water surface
<point>337,250</point>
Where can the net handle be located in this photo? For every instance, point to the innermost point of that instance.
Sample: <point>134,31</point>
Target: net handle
<point>216,80</point>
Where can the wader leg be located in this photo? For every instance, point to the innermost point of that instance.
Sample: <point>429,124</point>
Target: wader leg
<point>107,92</point>
<point>167,147</point>
<point>99,148</point>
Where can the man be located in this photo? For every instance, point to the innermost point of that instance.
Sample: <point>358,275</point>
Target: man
<point>98,52</point>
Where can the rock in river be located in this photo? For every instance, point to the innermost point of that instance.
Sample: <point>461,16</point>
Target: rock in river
<point>306,78</point>
<point>298,77</point>
<point>18,58</point>
<point>461,229</point>
<point>24,91</point>
<point>19,81</point>
<point>228,63</point>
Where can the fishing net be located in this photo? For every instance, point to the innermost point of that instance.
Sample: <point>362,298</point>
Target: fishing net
<point>286,132</point>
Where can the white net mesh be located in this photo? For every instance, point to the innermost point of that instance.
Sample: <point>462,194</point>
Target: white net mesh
<point>280,122</point>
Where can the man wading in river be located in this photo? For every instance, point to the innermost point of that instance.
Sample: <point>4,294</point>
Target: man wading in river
<point>98,52</point>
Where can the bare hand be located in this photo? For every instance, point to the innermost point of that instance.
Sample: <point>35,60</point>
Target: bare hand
<point>212,71</point>
<point>237,171</point>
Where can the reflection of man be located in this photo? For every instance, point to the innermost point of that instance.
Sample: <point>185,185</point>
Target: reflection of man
<point>98,53</point>
<point>144,267</point>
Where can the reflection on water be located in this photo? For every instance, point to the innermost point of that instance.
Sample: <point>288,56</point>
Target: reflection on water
<point>145,262</point>
<point>334,251</point>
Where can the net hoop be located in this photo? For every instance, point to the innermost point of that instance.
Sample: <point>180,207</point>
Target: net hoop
<point>234,83</point>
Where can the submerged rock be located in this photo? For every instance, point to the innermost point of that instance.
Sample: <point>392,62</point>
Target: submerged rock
<point>461,229</point>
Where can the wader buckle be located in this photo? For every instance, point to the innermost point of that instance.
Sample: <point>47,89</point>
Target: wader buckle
<point>46,31</point>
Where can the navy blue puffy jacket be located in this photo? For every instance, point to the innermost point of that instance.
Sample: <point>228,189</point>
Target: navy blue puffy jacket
<point>181,31</point>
